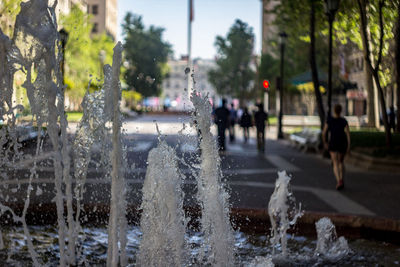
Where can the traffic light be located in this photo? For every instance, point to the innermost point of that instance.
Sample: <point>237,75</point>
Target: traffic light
<point>266,85</point>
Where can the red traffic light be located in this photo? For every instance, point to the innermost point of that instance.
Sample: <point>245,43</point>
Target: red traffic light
<point>266,84</point>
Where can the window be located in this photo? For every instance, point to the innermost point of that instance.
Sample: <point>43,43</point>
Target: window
<point>95,9</point>
<point>94,29</point>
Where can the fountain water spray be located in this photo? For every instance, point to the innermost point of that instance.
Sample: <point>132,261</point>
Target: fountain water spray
<point>162,222</point>
<point>328,244</point>
<point>35,50</point>
<point>282,212</point>
<point>212,196</point>
<point>117,223</point>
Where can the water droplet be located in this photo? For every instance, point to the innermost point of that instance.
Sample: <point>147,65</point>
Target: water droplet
<point>187,70</point>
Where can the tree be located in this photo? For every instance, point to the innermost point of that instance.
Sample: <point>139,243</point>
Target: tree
<point>82,47</point>
<point>234,75</point>
<point>313,65</point>
<point>146,54</point>
<point>397,60</point>
<point>303,35</point>
<point>348,28</point>
<point>374,69</point>
<point>8,12</point>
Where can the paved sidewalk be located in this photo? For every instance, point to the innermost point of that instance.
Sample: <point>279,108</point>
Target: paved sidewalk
<point>313,183</point>
<point>250,175</point>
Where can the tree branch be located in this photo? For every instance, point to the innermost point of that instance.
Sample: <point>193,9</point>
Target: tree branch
<point>381,3</point>
<point>363,17</point>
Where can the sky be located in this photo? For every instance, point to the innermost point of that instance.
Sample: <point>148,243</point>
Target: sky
<point>211,18</point>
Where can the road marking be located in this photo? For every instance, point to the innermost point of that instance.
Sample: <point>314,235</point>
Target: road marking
<point>250,171</point>
<point>334,199</point>
<point>140,146</point>
<point>29,161</point>
<point>281,163</point>
<point>188,148</point>
<point>340,202</point>
<point>237,149</point>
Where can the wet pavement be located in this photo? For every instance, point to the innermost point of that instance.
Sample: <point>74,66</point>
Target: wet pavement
<point>248,174</point>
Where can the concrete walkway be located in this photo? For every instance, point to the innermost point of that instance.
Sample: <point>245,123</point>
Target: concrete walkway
<point>250,175</point>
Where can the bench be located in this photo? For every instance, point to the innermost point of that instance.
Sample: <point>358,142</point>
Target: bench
<point>306,139</point>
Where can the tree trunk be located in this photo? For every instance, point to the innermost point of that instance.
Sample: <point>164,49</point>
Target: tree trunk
<point>370,95</point>
<point>374,70</point>
<point>382,101</point>
<point>313,65</point>
<point>397,62</point>
<point>368,79</point>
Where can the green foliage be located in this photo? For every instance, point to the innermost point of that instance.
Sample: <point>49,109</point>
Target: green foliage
<point>269,70</point>
<point>8,12</point>
<point>373,143</point>
<point>131,95</point>
<point>347,29</point>
<point>293,17</point>
<point>146,53</point>
<point>371,139</point>
<point>233,75</point>
<point>74,116</point>
<point>82,61</point>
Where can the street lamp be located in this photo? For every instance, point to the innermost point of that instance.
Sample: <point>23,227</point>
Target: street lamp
<point>331,6</point>
<point>102,57</point>
<point>282,41</point>
<point>63,38</point>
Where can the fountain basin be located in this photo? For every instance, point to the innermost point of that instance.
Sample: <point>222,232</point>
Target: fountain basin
<point>252,221</point>
<point>250,241</point>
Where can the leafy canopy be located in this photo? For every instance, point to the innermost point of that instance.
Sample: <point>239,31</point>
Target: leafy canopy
<point>82,60</point>
<point>234,75</point>
<point>146,54</point>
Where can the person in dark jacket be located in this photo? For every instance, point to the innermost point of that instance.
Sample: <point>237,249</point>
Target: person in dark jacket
<point>338,144</point>
<point>221,118</point>
<point>260,118</point>
<point>232,122</point>
<point>246,123</point>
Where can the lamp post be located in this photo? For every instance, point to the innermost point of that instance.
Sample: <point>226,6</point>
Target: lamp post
<point>331,6</point>
<point>102,57</point>
<point>63,38</point>
<point>282,40</point>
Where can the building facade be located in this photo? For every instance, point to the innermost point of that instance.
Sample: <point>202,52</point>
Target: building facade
<point>174,87</point>
<point>356,98</point>
<point>269,30</point>
<point>104,16</point>
<point>64,6</point>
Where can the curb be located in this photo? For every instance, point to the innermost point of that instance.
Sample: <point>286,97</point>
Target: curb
<point>371,163</point>
<point>252,221</point>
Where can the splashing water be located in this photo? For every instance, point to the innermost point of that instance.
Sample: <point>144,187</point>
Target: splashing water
<point>328,245</point>
<point>35,51</point>
<point>282,212</point>
<point>262,262</point>
<point>117,222</point>
<point>162,222</point>
<point>212,196</point>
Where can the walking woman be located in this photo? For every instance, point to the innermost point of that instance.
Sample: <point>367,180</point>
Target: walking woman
<point>339,143</point>
<point>246,123</point>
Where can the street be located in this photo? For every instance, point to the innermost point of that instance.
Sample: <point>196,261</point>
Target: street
<point>248,174</point>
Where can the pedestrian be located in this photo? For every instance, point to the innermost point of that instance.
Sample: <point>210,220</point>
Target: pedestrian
<point>232,122</point>
<point>260,118</point>
<point>221,118</point>
<point>392,118</point>
<point>246,122</point>
<point>338,144</point>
